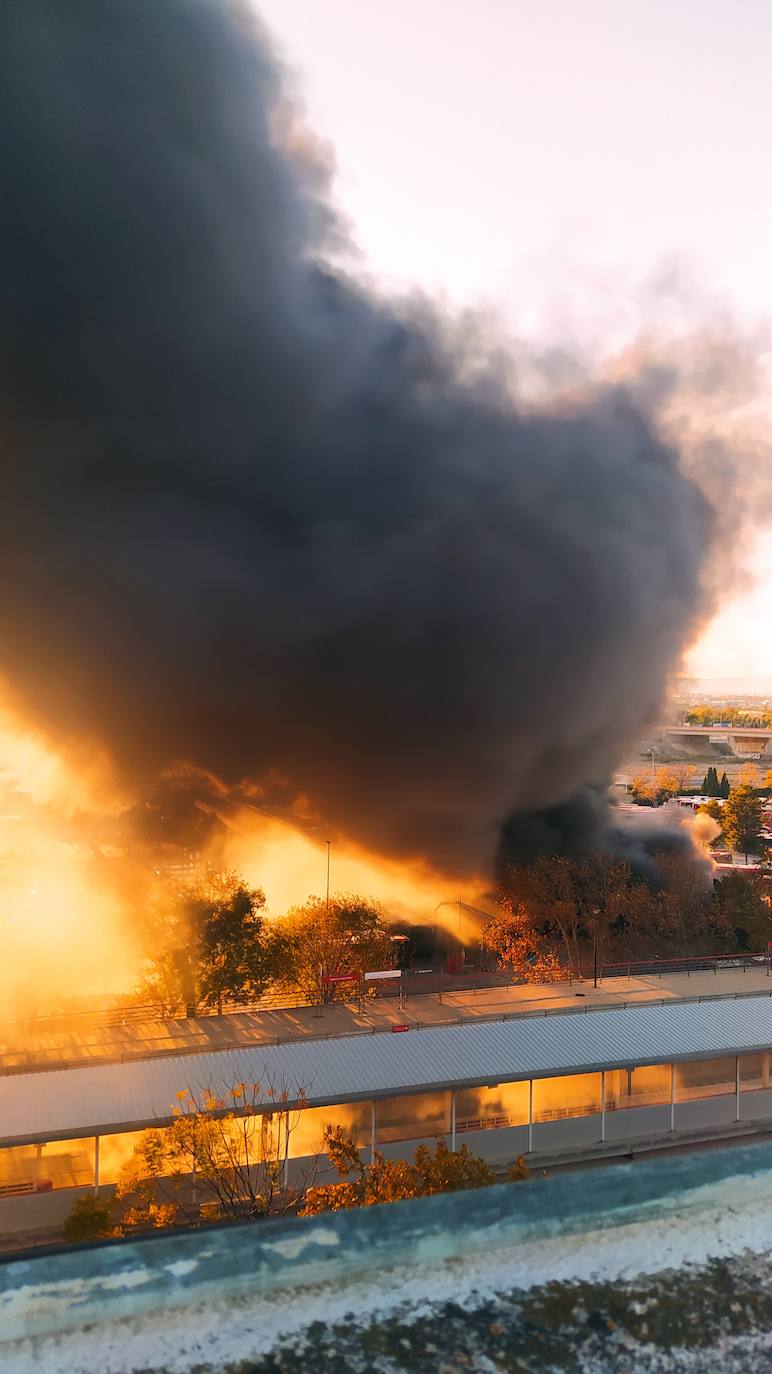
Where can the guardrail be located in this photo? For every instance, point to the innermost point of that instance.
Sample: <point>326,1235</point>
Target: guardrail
<point>700,963</point>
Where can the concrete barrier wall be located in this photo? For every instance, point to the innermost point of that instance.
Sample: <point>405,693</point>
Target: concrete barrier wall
<point>636,1122</point>
<point>705,1111</point>
<point>571,1132</point>
<point>497,1147</point>
<point>51,1293</point>
<point>38,1213</point>
<point>756,1105</point>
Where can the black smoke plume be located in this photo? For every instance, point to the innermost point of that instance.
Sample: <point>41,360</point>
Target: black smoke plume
<point>256,519</point>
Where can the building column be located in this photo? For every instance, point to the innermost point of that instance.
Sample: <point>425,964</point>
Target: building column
<point>453,1122</point>
<point>602,1106</point>
<point>96,1164</point>
<point>765,1069</point>
<point>530,1116</point>
<point>737,1088</point>
<point>672,1097</point>
<point>372,1131</point>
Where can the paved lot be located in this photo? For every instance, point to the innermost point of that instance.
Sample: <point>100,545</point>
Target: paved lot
<point>37,1048</point>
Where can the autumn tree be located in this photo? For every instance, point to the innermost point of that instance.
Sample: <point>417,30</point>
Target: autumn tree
<point>512,936</point>
<point>363,1185</point>
<point>749,775</point>
<point>642,790</point>
<point>667,784</point>
<point>741,819</point>
<point>211,943</point>
<point>685,774</point>
<point>569,903</point>
<point>322,941</point>
<point>741,906</point>
<point>234,1146</point>
<point>681,919</point>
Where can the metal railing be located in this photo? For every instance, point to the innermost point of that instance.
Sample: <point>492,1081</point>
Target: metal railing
<point>699,963</point>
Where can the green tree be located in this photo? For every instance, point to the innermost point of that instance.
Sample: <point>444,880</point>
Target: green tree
<point>739,903</point>
<point>90,1219</point>
<point>211,943</point>
<point>710,784</point>
<point>724,788</point>
<point>741,820</point>
<point>325,940</point>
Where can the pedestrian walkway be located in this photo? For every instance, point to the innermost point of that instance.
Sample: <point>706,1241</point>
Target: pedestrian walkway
<point>62,1048</point>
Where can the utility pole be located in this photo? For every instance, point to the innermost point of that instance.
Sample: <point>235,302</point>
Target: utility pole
<point>329,843</point>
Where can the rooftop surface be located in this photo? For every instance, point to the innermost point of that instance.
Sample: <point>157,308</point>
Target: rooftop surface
<point>106,1098</point>
<point>29,1048</point>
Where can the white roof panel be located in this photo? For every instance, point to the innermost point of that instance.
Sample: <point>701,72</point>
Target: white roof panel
<point>114,1097</point>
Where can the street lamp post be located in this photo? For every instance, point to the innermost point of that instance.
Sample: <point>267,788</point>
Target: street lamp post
<point>595,914</point>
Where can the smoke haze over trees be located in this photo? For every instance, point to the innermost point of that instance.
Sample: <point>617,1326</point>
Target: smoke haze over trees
<point>261,522</point>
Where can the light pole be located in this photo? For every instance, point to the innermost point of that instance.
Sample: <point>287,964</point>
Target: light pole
<point>329,843</point>
<point>595,915</point>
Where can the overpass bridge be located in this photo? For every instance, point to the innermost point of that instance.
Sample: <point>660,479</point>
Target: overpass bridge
<point>749,742</point>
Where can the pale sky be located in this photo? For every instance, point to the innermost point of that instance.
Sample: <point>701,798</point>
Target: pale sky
<point>557,161</point>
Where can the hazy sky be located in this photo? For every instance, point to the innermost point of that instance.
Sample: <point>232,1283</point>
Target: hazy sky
<point>562,162</point>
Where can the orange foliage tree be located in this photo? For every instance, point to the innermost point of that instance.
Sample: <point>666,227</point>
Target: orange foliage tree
<point>513,938</point>
<point>390,1180</point>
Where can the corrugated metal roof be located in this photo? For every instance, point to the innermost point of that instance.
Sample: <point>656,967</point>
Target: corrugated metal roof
<point>115,1097</point>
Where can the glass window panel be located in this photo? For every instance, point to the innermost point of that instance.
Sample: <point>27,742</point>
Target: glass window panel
<point>478,1109</point>
<point>413,1117</point>
<point>705,1078</point>
<point>755,1072</point>
<point>39,1168</point>
<point>646,1086</point>
<point>307,1127</point>
<point>115,1151</point>
<point>573,1095</point>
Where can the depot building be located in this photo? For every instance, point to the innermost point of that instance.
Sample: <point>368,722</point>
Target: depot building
<point>565,1083</point>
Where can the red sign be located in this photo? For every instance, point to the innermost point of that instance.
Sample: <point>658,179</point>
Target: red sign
<point>400,1028</point>
<point>341,978</point>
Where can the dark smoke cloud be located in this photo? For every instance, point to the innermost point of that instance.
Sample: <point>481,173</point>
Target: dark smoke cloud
<point>254,518</point>
<point>587,821</point>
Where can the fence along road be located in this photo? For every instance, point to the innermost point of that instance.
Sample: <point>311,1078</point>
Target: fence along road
<point>24,1049</point>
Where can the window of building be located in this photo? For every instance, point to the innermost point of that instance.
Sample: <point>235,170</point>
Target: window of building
<point>499,1105</point>
<point>646,1086</point>
<point>307,1127</point>
<point>575,1094</point>
<point>705,1078</point>
<point>755,1071</point>
<point>115,1151</point>
<point>412,1118</point>
<point>39,1168</point>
